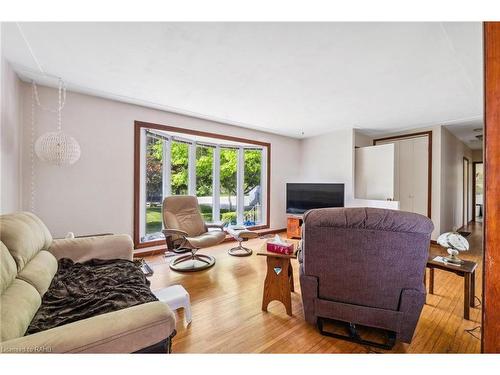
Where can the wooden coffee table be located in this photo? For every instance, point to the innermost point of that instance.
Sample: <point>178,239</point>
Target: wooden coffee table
<point>467,270</point>
<point>278,284</point>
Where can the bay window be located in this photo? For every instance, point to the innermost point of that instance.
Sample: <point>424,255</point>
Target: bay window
<point>205,181</point>
<point>228,184</point>
<point>229,176</point>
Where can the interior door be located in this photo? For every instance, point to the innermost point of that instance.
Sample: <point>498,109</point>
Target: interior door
<point>411,164</point>
<point>406,182</point>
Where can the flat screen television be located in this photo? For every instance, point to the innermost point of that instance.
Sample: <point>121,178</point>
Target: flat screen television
<point>303,197</point>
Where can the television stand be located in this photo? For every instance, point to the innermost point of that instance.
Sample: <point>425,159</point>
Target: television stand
<point>294,226</point>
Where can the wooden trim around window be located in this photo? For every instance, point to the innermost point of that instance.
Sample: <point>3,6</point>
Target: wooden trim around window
<point>148,250</point>
<point>429,162</point>
<point>138,125</point>
<point>490,342</point>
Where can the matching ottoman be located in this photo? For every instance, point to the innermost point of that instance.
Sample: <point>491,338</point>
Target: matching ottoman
<point>241,235</point>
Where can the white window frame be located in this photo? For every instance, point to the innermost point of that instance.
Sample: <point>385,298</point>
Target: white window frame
<point>216,184</point>
<point>264,185</point>
<point>167,168</point>
<point>240,184</point>
<point>142,183</point>
<point>192,169</point>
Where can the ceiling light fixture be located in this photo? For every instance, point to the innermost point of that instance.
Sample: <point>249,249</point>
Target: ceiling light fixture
<point>57,147</point>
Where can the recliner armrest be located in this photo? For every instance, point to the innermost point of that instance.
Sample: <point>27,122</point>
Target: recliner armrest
<point>123,331</point>
<point>119,246</point>
<point>174,232</point>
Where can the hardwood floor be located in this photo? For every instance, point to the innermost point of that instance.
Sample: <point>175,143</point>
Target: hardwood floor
<point>227,317</point>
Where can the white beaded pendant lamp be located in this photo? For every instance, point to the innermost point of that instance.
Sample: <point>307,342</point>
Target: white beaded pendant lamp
<point>57,147</point>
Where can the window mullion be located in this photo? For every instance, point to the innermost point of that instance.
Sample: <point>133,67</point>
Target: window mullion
<point>167,169</point>
<point>216,184</point>
<point>192,169</point>
<point>240,196</point>
<point>264,185</point>
<point>142,190</point>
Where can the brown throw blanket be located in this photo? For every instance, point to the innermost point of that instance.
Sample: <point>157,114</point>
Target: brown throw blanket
<point>84,290</point>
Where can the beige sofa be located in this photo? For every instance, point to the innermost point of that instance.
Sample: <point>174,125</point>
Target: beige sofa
<point>27,265</point>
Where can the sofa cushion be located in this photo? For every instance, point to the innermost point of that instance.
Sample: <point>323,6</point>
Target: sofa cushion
<point>18,305</point>
<point>83,290</point>
<point>122,331</point>
<point>39,271</point>
<point>25,235</point>
<point>207,239</point>
<point>117,246</point>
<point>8,268</point>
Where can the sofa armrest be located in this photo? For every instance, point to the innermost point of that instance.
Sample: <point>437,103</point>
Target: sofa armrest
<point>118,246</point>
<point>122,331</point>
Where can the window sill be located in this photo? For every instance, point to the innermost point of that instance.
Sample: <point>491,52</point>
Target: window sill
<point>158,247</point>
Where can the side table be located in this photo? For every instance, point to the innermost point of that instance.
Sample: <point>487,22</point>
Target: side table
<point>278,284</point>
<point>467,270</point>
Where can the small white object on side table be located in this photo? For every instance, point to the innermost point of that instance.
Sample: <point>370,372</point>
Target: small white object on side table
<point>175,297</point>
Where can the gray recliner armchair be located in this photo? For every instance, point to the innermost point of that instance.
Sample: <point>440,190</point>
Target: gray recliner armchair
<point>185,231</point>
<point>364,266</point>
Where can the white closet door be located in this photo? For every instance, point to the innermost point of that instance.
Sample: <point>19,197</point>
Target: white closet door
<point>420,174</point>
<point>406,174</point>
<point>396,172</point>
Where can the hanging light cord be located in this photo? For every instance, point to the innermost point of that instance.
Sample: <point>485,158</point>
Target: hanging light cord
<point>32,149</point>
<point>62,97</point>
<point>35,99</point>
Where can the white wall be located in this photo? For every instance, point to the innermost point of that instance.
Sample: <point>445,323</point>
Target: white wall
<point>362,140</point>
<point>374,172</point>
<point>452,153</point>
<point>330,158</point>
<point>10,134</point>
<point>477,155</point>
<point>96,194</point>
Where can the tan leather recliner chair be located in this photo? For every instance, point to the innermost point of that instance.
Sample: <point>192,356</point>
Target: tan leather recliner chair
<point>28,262</point>
<point>185,228</point>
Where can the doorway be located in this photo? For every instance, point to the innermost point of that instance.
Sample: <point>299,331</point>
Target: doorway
<point>465,190</point>
<point>477,191</point>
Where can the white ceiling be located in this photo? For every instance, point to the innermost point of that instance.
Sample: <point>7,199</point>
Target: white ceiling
<point>286,78</point>
<point>467,132</point>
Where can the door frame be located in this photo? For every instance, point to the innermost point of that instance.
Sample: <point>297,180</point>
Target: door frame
<point>490,327</point>
<point>429,159</point>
